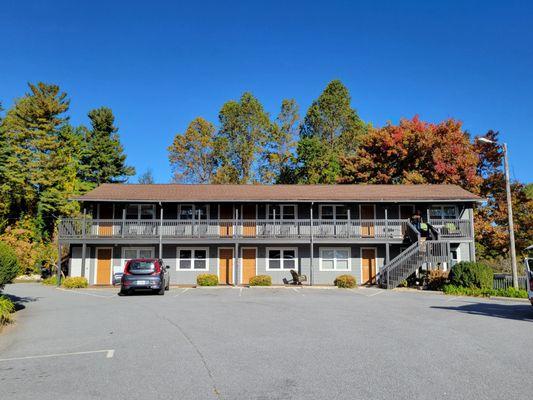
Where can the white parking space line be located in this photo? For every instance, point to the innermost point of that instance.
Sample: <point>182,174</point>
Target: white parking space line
<point>240,292</point>
<point>109,354</point>
<point>183,291</point>
<point>85,293</point>
<point>375,294</point>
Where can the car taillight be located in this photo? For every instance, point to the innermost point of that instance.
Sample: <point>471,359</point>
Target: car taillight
<point>157,269</point>
<point>127,269</point>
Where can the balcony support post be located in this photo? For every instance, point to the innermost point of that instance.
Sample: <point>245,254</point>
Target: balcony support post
<point>387,223</point>
<point>83,244</point>
<point>58,282</point>
<point>123,221</point>
<point>161,231</point>
<point>349,227</point>
<point>311,250</point>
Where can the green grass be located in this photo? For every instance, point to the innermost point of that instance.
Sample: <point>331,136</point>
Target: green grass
<point>477,292</point>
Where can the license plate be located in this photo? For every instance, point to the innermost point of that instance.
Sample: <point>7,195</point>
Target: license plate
<point>141,282</point>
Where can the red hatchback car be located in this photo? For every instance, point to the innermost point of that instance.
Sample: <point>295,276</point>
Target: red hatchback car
<point>145,274</point>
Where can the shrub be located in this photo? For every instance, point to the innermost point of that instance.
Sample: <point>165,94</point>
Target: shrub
<point>437,279</point>
<point>471,275</point>
<point>73,282</point>
<point>51,280</point>
<point>207,280</point>
<point>31,250</point>
<point>345,281</point>
<point>261,280</point>
<point>9,265</point>
<point>6,309</point>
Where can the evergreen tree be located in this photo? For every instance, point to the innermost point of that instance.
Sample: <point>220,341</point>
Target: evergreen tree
<point>332,126</point>
<point>332,119</point>
<point>31,133</point>
<point>104,158</point>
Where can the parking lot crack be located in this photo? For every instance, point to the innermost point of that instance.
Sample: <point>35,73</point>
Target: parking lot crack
<point>200,355</point>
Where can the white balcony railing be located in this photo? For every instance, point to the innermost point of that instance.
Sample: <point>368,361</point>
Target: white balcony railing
<point>78,228</point>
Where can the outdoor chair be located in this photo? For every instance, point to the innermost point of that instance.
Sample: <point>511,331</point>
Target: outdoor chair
<point>451,229</point>
<point>297,279</point>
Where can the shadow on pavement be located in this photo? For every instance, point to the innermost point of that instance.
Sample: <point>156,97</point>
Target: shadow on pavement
<point>520,312</point>
<point>20,301</point>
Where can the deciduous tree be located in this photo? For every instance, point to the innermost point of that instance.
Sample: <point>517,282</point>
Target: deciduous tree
<point>244,127</point>
<point>192,154</point>
<point>278,152</point>
<point>146,178</point>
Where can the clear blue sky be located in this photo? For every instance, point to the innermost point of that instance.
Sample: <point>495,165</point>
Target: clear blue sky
<point>160,64</point>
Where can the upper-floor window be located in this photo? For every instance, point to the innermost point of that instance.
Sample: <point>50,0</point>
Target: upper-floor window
<point>140,211</point>
<point>333,211</point>
<point>282,211</point>
<point>187,211</point>
<point>443,212</point>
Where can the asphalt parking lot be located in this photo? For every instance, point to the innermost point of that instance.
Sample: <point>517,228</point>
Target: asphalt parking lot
<point>252,343</point>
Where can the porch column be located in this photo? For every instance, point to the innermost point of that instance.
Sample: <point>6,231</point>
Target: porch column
<point>84,244</point>
<point>161,231</point>
<point>387,225</point>
<point>236,264</point>
<point>311,253</point>
<point>387,253</point>
<point>58,259</point>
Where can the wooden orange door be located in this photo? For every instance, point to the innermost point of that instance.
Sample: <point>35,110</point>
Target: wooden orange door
<point>248,264</point>
<point>248,213</point>
<point>368,261</point>
<point>367,212</point>
<point>226,213</point>
<point>103,266</point>
<point>106,212</point>
<point>225,266</point>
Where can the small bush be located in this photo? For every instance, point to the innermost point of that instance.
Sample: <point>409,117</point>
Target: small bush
<point>261,280</point>
<point>207,280</point>
<point>437,279</point>
<point>477,292</point>
<point>471,275</point>
<point>9,265</point>
<point>73,282</point>
<point>6,309</point>
<point>345,281</point>
<point>51,280</point>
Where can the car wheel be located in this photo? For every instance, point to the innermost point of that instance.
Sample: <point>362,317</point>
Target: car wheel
<point>168,286</point>
<point>161,291</point>
<point>123,292</point>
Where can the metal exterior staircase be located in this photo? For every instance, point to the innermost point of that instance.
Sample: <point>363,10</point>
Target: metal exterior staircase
<point>421,252</point>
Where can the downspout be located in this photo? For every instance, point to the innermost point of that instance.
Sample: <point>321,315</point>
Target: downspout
<point>58,254</point>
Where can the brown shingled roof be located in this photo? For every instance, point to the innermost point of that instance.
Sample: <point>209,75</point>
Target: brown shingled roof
<point>222,193</point>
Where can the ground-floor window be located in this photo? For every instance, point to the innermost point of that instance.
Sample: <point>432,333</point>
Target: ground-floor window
<point>334,259</point>
<point>192,259</point>
<point>129,253</point>
<point>282,259</point>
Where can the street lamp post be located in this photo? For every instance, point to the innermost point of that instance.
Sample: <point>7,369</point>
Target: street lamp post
<point>509,208</point>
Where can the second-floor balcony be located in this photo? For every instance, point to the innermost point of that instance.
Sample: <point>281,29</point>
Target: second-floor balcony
<point>79,229</point>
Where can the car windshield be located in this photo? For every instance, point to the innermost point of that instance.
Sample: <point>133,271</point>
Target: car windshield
<point>141,265</point>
